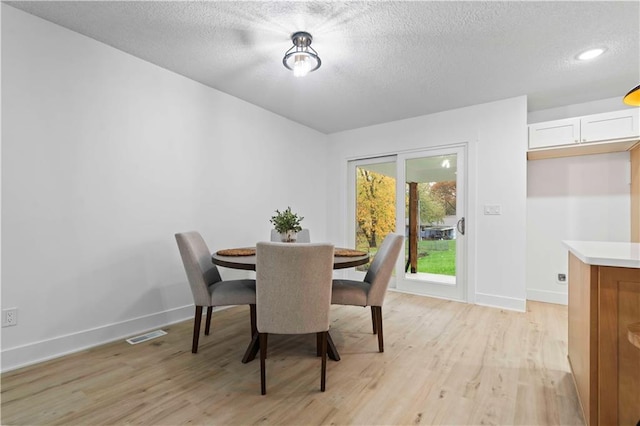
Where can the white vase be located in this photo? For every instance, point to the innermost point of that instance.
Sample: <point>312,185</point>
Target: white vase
<point>288,237</point>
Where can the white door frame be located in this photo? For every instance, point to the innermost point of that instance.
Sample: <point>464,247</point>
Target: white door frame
<point>456,290</point>
<point>469,255</point>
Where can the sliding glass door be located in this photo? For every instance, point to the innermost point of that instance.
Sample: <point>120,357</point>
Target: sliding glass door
<point>431,184</point>
<point>420,195</point>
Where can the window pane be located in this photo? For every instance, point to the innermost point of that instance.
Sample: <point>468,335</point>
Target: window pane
<point>375,205</point>
<point>431,213</point>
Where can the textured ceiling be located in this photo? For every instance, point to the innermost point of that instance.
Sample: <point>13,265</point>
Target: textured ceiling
<point>381,61</point>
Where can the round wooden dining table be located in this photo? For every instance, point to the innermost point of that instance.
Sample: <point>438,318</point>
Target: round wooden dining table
<point>245,258</point>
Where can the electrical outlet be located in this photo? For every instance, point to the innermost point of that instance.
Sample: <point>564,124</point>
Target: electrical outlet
<point>9,317</point>
<point>562,278</point>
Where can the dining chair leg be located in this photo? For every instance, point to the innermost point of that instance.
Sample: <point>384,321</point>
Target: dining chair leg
<point>332,351</point>
<point>323,373</point>
<point>207,326</point>
<point>373,320</point>
<point>196,329</point>
<point>379,328</point>
<point>263,357</point>
<point>252,313</point>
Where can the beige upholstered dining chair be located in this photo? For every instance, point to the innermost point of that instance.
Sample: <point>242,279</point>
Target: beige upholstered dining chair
<point>207,285</point>
<point>372,290</point>
<point>293,284</point>
<point>302,237</point>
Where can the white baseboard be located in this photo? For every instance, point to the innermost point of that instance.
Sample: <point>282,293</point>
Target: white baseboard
<point>548,296</point>
<point>489,300</point>
<point>501,302</point>
<point>44,350</point>
<point>426,295</point>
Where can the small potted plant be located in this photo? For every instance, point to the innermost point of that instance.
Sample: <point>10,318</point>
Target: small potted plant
<point>287,224</point>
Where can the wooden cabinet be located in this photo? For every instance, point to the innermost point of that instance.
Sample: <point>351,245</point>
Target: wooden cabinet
<point>591,134</point>
<point>635,194</point>
<point>603,302</point>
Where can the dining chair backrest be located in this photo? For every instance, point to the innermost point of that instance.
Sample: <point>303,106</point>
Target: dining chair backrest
<point>302,237</point>
<point>293,287</point>
<point>201,272</point>
<point>380,270</point>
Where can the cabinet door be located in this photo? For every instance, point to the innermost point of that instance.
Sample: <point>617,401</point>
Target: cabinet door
<point>554,133</point>
<point>618,360</point>
<point>608,126</point>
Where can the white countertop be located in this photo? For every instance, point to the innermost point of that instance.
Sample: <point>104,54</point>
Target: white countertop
<point>603,253</point>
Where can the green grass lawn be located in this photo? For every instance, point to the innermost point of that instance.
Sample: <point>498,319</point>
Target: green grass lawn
<point>433,259</point>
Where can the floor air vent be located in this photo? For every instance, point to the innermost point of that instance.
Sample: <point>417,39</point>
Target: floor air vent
<point>147,336</point>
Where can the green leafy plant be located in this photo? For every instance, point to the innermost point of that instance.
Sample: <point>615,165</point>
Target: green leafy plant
<point>286,221</point>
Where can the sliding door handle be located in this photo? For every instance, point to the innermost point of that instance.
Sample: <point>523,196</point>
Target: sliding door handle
<point>460,226</point>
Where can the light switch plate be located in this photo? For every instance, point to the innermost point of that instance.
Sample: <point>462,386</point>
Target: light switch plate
<point>492,209</point>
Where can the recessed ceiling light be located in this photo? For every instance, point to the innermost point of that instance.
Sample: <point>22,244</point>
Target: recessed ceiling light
<point>590,54</point>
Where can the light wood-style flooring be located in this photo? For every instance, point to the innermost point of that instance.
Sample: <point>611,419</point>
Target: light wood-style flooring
<point>444,363</point>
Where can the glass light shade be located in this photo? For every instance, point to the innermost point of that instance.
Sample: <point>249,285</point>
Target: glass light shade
<point>633,97</point>
<point>301,58</point>
<point>301,63</point>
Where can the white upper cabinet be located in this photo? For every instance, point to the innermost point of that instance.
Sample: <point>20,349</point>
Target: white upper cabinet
<point>554,133</point>
<point>611,125</point>
<point>607,127</point>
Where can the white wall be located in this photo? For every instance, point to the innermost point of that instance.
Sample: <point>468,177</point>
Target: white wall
<point>497,136</point>
<point>573,198</point>
<point>104,158</point>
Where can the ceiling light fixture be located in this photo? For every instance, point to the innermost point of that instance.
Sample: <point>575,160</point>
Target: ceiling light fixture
<point>590,54</point>
<point>301,58</point>
<point>633,97</point>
